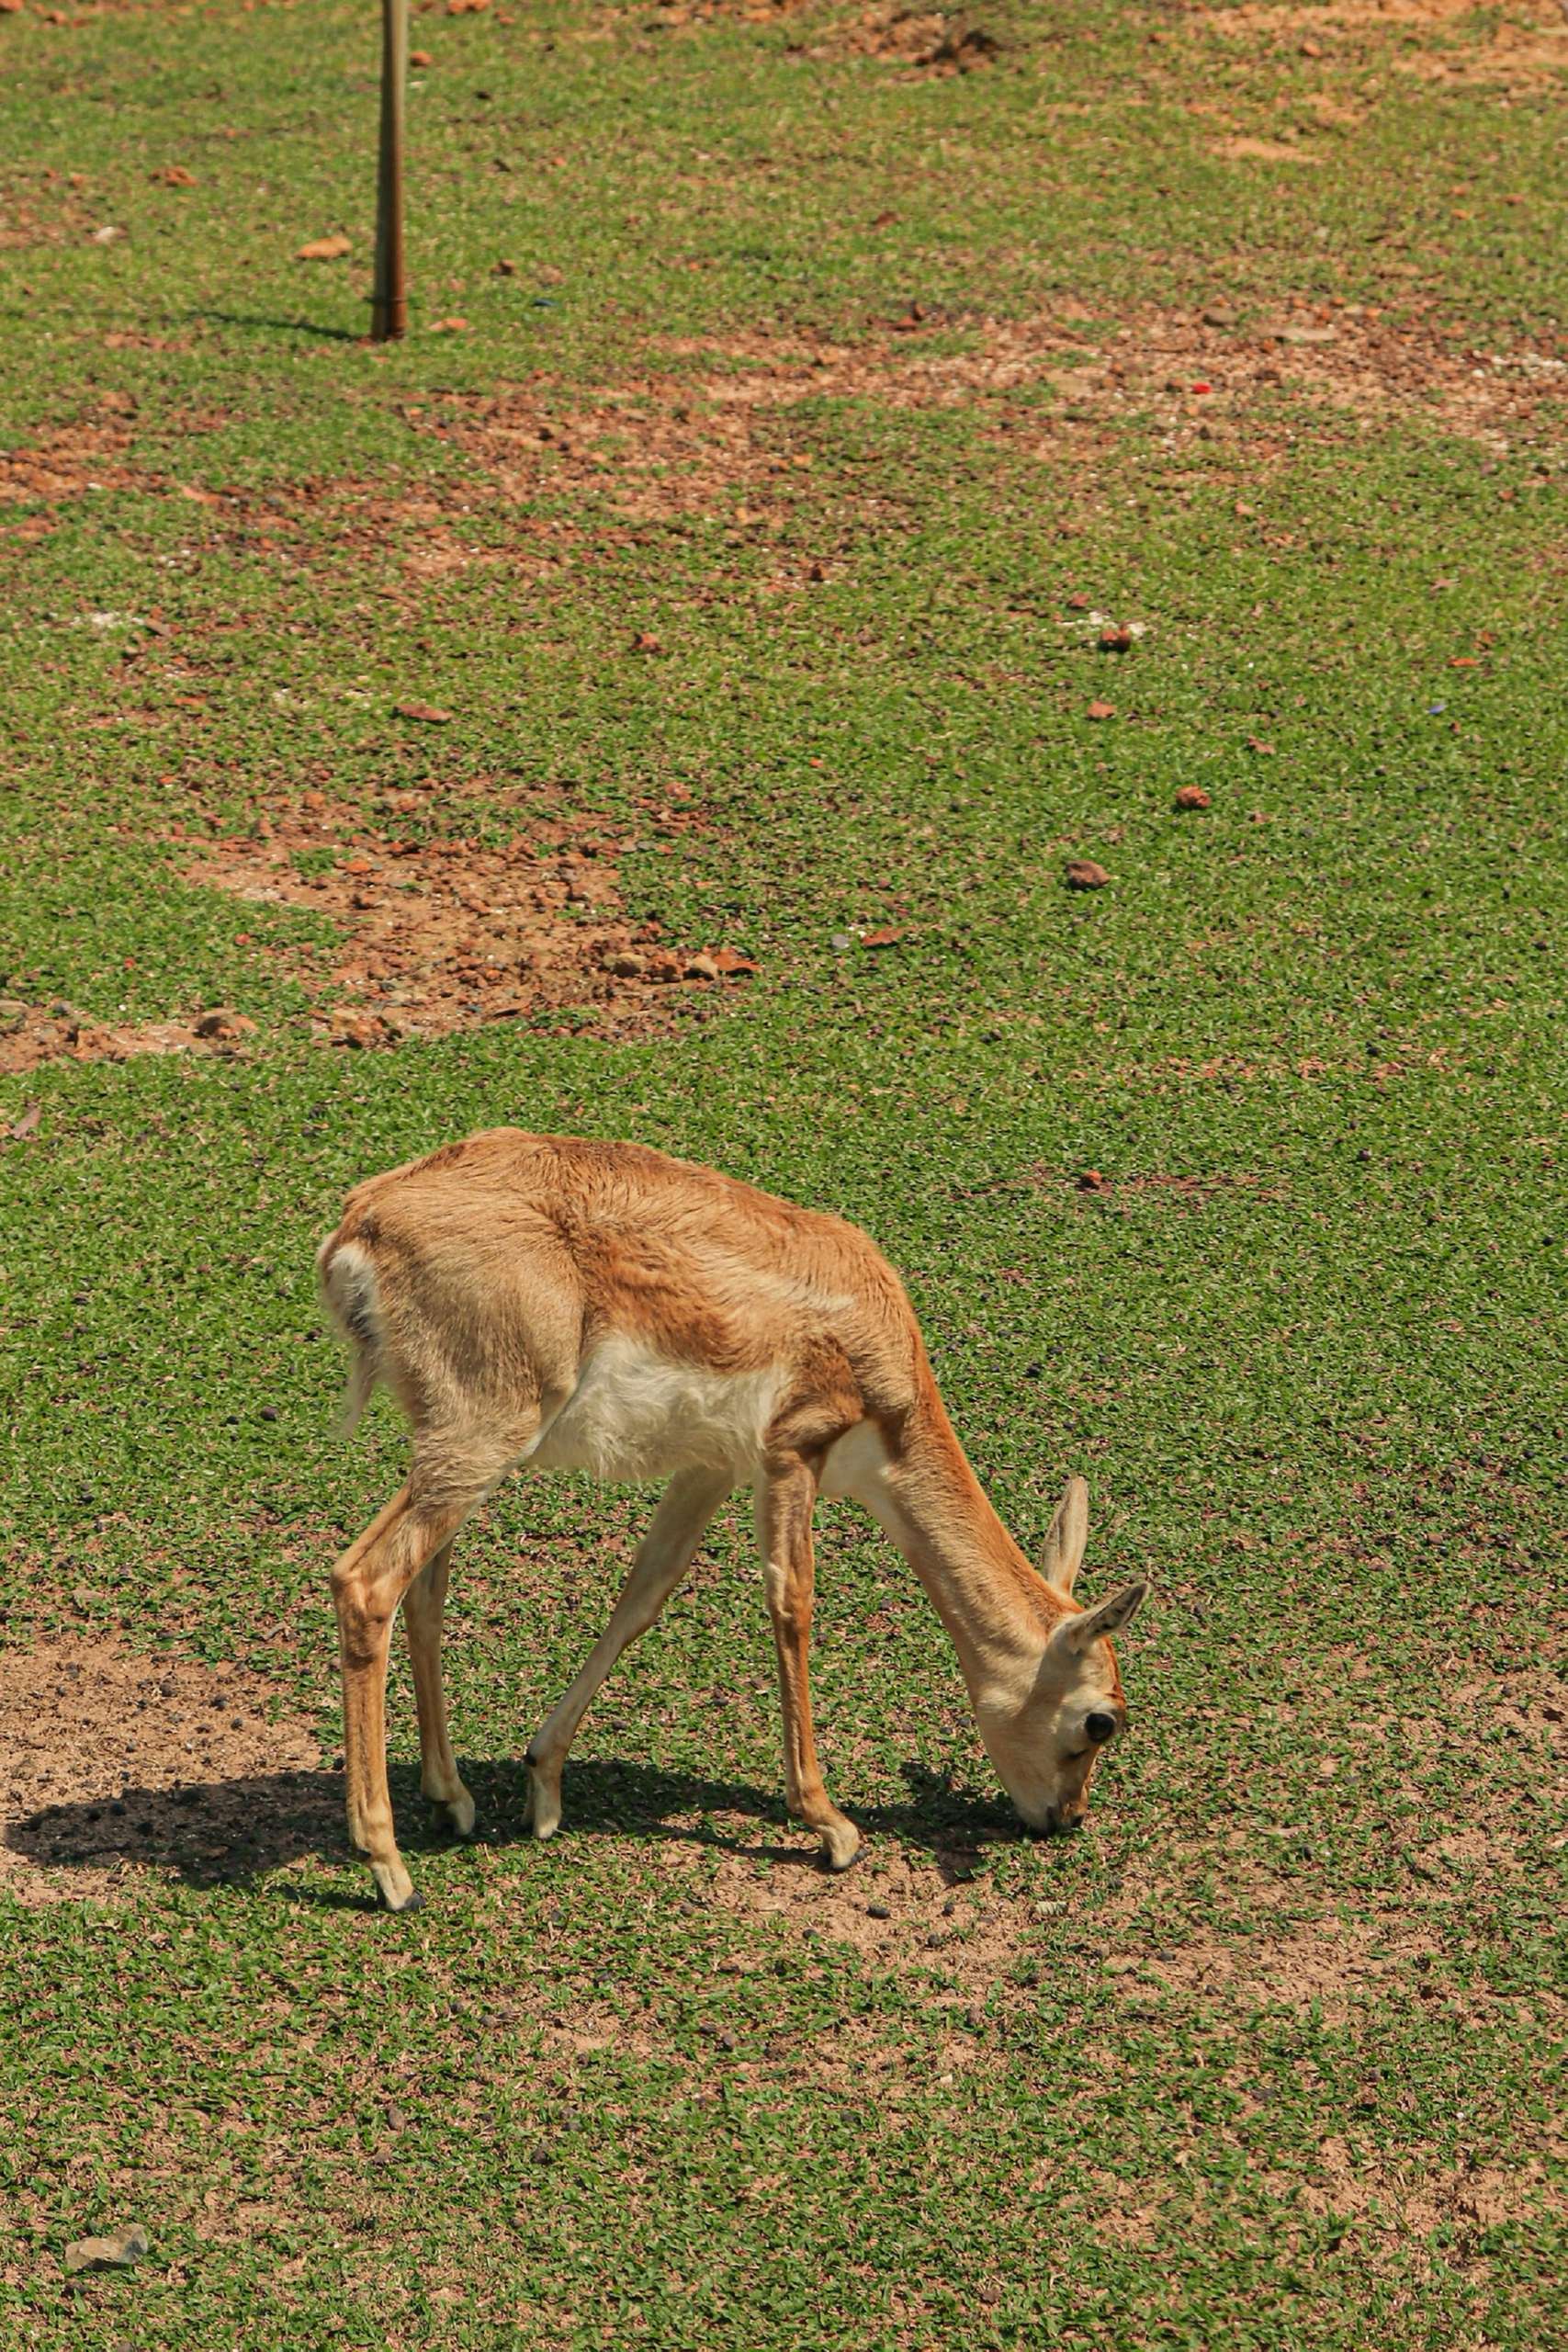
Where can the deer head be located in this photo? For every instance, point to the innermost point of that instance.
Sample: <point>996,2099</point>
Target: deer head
<point>1046,1733</point>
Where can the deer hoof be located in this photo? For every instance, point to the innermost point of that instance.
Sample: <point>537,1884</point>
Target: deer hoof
<point>841,1846</point>
<point>396,1890</point>
<point>458,1812</point>
<point>544,1806</point>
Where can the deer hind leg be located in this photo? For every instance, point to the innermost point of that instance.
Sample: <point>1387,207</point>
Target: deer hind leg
<point>423,1606</point>
<point>785,1500</point>
<point>445,1482</point>
<point>662,1558</point>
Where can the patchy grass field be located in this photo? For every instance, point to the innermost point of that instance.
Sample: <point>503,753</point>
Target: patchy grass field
<point>798,396</point>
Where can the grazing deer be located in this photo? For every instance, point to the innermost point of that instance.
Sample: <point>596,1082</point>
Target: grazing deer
<point>565,1304</point>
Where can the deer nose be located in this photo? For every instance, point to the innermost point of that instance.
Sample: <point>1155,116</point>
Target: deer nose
<point>1061,1823</point>
<point>1100,1727</point>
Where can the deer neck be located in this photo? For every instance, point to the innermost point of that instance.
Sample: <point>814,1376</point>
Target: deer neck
<point>997,1608</point>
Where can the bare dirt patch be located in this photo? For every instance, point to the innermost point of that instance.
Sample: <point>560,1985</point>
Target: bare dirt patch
<point>1523,45</point>
<point>117,1764</point>
<point>891,1909</point>
<point>1238,148</point>
<point>87,453</point>
<point>449,933</point>
<point>31,1033</point>
<point>1204,368</point>
<point>696,441</point>
<point>1328,1962</point>
<point>1357,2184</point>
<point>730,432</point>
<point>440,933</point>
<point>715,435</point>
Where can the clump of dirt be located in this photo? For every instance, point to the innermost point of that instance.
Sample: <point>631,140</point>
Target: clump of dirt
<point>31,1033</point>
<point>117,1764</point>
<point>924,43</point>
<point>670,15</point>
<point>446,932</point>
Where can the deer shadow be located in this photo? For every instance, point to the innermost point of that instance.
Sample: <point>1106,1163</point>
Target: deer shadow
<point>225,1833</point>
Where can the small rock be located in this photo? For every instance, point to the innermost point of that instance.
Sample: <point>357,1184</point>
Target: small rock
<point>1115,639</point>
<point>701,967</point>
<point>1083,873</point>
<point>1220,314</point>
<point>1301,335</point>
<point>116,2250</point>
<point>1091,1180</point>
<point>627,965</point>
<point>360,1029</point>
<point>504,270</point>
<point>879,1911</point>
<point>222,1022</point>
<point>1191,795</point>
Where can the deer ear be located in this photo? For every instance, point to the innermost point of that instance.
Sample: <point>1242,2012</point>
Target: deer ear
<point>1074,1633</point>
<point>1066,1537</point>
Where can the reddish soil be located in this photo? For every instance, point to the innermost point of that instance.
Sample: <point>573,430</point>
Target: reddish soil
<point>33,1034</point>
<point>1523,45</point>
<point>688,442</point>
<point>439,933</point>
<point>449,933</point>
<point>926,43</point>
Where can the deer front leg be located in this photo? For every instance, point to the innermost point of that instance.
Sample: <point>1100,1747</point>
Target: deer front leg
<point>367,1584</point>
<point>662,1558</point>
<point>786,1498</point>
<point>424,1607</point>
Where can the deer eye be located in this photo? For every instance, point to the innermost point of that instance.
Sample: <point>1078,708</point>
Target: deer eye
<point>1100,1727</point>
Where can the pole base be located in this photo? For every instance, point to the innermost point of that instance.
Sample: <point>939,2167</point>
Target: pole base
<point>388,321</point>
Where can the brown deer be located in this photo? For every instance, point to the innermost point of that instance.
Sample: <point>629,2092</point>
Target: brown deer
<point>557,1304</point>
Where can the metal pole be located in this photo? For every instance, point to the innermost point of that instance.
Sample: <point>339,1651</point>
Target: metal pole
<point>389,306</point>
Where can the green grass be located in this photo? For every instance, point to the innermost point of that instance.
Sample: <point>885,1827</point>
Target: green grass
<point>1262,2060</point>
